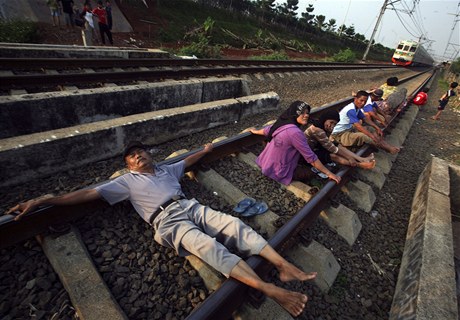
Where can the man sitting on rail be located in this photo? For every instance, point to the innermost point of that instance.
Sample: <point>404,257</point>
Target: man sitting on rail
<point>371,109</point>
<point>186,225</point>
<point>350,133</point>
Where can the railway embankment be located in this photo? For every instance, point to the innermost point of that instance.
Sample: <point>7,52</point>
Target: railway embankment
<point>360,290</point>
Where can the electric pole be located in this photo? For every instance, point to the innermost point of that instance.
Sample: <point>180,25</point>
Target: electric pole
<point>375,29</point>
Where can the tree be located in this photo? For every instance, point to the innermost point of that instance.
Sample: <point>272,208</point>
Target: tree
<point>267,8</point>
<point>350,31</point>
<point>341,29</point>
<point>319,21</point>
<point>455,66</point>
<point>306,16</point>
<point>331,25</point>
<point>360,37</point>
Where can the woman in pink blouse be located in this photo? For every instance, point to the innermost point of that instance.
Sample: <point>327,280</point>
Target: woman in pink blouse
<point>286,143</point>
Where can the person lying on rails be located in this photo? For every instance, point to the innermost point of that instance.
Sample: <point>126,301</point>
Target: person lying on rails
<point>318,138</point>
<point>351,133</point>
<point>371,109</point>
<point>389,87</point>
<point>286,143</point>
<point>186,225</point>
<point>393,98</point>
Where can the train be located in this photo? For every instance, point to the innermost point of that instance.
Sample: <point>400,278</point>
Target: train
<point>411,53</point>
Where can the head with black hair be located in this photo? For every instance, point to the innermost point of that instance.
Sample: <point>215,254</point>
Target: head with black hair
<point>393,81</point>
<point>360,98</point>
<point>297,113</point>
<point>327,120</point>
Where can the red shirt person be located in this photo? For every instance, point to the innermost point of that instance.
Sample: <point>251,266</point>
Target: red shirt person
<point>421,98</point>
<point>103,27</point>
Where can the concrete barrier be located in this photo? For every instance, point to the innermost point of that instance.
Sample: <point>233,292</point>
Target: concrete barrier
<point>50,51</point>
<point>30,113</point>
<point>36,155</point>
<point>426,283</point>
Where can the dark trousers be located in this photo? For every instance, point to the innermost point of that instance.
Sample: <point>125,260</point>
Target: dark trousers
<point>104,29</point>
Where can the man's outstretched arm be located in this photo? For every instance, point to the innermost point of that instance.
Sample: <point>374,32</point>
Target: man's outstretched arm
<point>198,155</point>
<point>76,197</point>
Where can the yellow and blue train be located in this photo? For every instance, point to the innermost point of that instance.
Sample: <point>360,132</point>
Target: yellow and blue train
<point>411,53</point>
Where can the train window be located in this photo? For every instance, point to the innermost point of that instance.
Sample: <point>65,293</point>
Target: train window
<point>406,48</point>
<point>412,49</point>
<point>400,46</point>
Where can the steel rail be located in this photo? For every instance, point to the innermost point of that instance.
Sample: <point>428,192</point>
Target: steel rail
<point>232,294</point>
<point>34,80</point>
<point>63,63</point>
<point>38,221</point>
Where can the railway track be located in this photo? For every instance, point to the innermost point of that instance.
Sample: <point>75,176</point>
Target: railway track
<point>231,294</point>
<point>34,75</point>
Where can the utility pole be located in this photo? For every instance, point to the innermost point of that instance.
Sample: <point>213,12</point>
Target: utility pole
<point>385,3</point>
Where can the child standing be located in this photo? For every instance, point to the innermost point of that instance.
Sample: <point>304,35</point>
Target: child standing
<point>445,99</point>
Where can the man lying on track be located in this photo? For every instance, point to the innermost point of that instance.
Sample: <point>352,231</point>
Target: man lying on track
<point>186,225</point>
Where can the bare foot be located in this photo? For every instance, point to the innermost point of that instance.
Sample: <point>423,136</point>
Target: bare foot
<point>394,150</point>
<point>369,158</point>
<point>367,165</point>
<point>434,118</point>
<point>292,302</point>
<point>289,272</point>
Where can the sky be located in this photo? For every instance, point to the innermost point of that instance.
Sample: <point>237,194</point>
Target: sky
<point>435,19</point>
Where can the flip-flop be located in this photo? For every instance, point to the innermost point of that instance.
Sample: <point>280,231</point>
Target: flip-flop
<point>319,173</point>
<point>244,204</point>
<point>256,209</point>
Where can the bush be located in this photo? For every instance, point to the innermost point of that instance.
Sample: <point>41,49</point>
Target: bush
<point>279,56</point>
<point>455,68</point>
<point>17,31</point>
<point>200,50</point>
<point>346,55</point>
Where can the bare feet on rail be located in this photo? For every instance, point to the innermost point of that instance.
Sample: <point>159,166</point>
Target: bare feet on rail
<point>293,302</point>
<point>394,150</point>
<point>289,272</point>
<point>367,165</point>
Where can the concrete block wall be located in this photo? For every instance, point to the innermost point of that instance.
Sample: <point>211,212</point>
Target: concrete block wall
<point>40,154</point>
<point>31,113</point>
<point>426,283</point>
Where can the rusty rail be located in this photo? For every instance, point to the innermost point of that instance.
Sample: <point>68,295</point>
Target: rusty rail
<point>64,63</point>
<point>34,80</point>
<point>229,297</point>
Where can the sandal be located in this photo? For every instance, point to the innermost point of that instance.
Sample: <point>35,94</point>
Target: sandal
<point>256,209</point>
<point>244,204</point>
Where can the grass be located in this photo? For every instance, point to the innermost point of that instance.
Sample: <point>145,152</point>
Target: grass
<point>17,31</point>
<point>177,18</point>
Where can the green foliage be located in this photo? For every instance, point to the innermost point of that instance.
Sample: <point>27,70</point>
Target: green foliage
<point>200,50</point>
<point>201,38</point>
<point>260,24</point>
<point>455,68</point>
<point>346,55</point>
<point>278,56</point>
<point>443,84</point>
<point>17,31</point>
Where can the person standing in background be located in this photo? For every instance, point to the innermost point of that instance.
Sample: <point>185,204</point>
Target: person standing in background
<point>55,11</point>
<point>108,9</point>
<point>67,8</point>
<point>101,14</point>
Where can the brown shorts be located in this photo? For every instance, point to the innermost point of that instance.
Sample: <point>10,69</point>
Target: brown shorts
<point>350,138</point>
